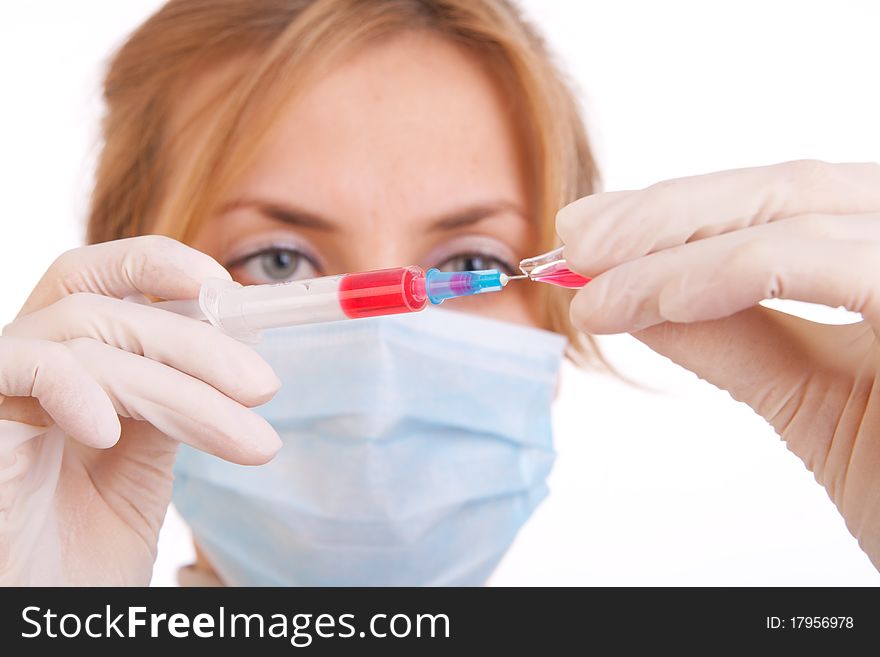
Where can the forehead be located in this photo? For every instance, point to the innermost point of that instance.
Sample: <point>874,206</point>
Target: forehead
<point>417,120</point>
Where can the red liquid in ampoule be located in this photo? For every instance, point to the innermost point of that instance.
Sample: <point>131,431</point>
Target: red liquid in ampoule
<point>562,277</point>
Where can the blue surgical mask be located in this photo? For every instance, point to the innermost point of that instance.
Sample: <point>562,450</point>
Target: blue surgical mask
<point>414,449</point>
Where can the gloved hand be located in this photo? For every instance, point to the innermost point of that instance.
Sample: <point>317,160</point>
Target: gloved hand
<point>98,394</point>
<point>682,266</point>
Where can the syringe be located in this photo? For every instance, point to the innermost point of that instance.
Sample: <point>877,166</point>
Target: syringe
<point>244,311</point>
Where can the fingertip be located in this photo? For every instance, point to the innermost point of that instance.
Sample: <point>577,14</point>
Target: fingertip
<point>77,403</point>
<point>240,436</point>
<point>563,221</point>
<point>263,447</point>
<point>267,383</point>
<point>273,385</point>
<point>252,381</point>
<point>260,395</point>
<point>570,218</point>
<point>107,432</point>
<point>103,427</point>
<point>199,266</point>
<point>268,451</point>
<point>94,428</point>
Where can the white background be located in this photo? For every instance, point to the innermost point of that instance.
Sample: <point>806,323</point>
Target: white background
<point>678,486</point>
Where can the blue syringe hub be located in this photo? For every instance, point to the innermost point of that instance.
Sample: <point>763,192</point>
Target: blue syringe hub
<point>442,285</point>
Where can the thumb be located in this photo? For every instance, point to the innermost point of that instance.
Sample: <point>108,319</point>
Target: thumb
<point>49,373</point>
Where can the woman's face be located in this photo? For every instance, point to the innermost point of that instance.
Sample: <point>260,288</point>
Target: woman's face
<point>405,154</point>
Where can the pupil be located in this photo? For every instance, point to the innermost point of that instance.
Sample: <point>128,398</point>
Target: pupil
<point>473,263</point>
<point>280,264</point>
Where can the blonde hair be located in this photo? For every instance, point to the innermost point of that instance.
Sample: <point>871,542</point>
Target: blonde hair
<point>143,184</point>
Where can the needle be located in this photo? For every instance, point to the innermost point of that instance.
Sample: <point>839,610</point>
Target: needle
<point>505,278</point>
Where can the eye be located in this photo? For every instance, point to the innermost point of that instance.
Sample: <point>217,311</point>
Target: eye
<point>273,265</point>
<point>473,262</point>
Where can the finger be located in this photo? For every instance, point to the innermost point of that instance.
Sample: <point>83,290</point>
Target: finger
<point>605,230</point>
<point>150,264</point>
<point>48,372</point>
<point>180,406</point>
<point>190,346</point>
<point>720,276</point>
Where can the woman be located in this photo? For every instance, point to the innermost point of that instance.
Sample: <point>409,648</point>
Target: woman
<point>288,140</point>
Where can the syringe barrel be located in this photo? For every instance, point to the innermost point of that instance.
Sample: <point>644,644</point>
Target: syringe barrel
<point>383,292</point>
<point>243,312</point>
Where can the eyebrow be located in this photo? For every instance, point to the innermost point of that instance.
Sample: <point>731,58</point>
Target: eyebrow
<point>294,216</point>
<point>472,214</point>
<point>284,213</point>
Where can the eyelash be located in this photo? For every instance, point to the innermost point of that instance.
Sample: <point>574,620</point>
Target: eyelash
<point>505,266</point>
<point>253,255</point>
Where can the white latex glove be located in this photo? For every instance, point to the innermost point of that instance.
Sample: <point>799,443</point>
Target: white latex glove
<point>682,266</point>
<point>78,503</point>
